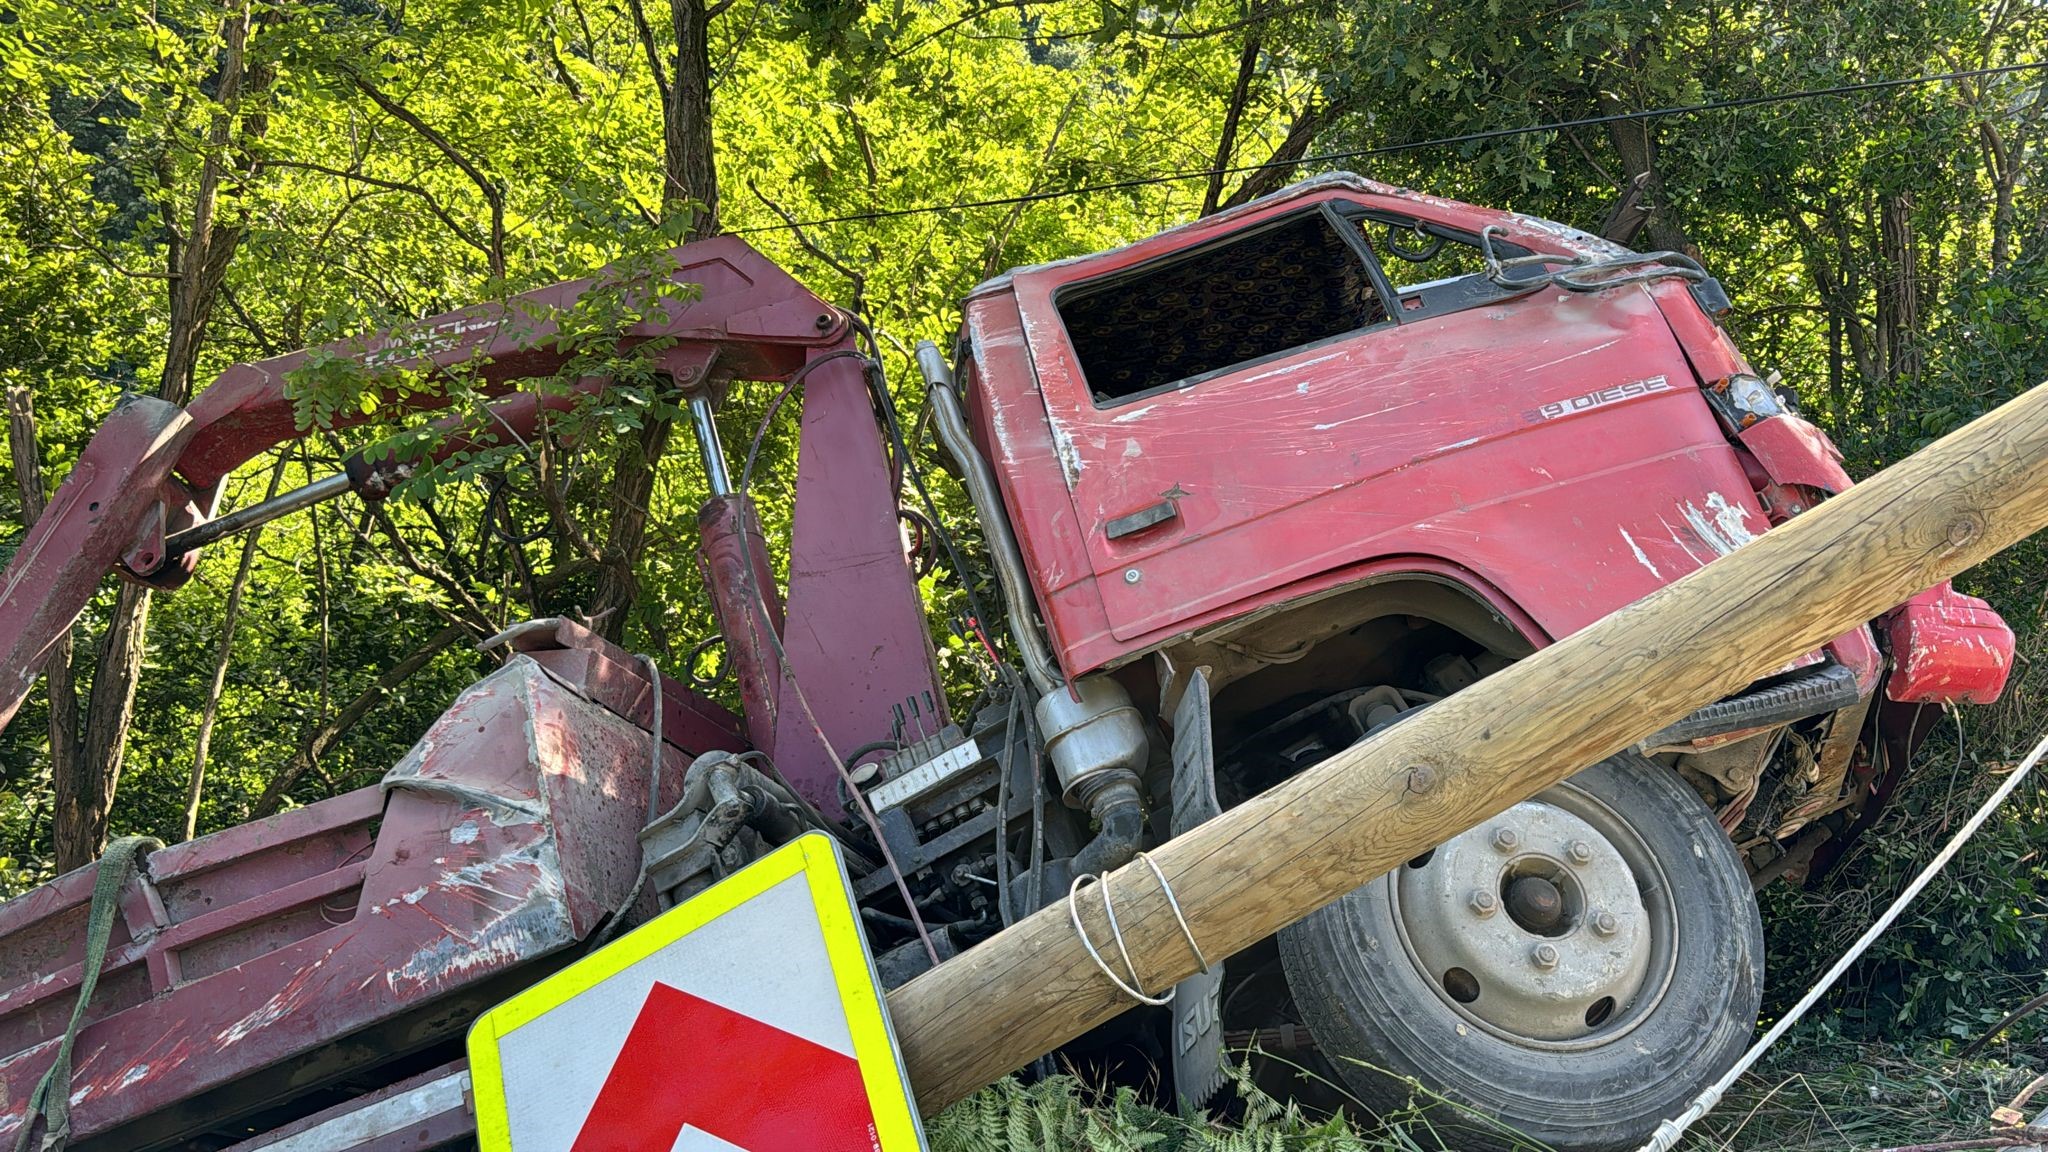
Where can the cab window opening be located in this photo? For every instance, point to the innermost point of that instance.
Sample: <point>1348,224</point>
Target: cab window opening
<point>1266,291</point>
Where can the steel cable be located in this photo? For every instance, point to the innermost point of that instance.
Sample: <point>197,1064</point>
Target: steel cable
<point>1670,1131</point>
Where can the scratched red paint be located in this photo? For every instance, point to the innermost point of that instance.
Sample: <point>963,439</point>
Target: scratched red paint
<point>1551,452</point>
<point>1956,648</point>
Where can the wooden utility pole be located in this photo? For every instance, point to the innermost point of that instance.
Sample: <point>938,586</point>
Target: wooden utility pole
<point>1267,863</point>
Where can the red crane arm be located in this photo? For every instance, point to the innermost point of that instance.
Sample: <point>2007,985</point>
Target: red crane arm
<point>154,469</point>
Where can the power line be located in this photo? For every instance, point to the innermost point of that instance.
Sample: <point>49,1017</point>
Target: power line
<point>1409,146</point>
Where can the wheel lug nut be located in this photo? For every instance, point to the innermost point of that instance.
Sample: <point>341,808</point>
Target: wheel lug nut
<point>1543,956</point>
<point>1580,852</point>
<point>1605,924</point>
<point>1483,902</point>
<point>1506,840</point>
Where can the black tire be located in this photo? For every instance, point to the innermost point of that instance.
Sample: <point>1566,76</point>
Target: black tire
<point>1380,1020</point>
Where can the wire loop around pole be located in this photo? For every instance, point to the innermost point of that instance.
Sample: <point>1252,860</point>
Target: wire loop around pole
<point>1173,902</point>
<point>1135,988</point>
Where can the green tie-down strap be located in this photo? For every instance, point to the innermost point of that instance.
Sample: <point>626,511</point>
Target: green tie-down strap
<point>51,1101</point>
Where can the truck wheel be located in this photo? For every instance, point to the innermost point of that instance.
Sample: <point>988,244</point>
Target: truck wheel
<point>1570,972</point>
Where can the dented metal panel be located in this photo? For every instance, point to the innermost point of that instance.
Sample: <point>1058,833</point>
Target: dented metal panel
<point>1948,648</point>
<point>504,835</point>
<point>1495,440</point>
<point>1793,451</point>
<point>609,676</point>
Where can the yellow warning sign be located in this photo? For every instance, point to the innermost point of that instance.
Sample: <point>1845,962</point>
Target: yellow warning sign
<point>748,1016</point>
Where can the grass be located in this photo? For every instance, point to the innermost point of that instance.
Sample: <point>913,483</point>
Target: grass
<point>1827,1092</point>
<point>1819,1091</point>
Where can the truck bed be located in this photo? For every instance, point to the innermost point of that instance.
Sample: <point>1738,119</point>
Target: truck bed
<point>270,970</point>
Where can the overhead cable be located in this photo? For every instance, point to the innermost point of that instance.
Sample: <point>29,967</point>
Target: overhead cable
<point>1406,146</point>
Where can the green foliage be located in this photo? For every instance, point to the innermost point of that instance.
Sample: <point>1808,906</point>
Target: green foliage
<point>446,153</point>
<point>1058,1114</point>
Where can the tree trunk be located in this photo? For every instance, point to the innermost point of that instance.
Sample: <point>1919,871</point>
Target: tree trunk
<point>198,266</point>
<point>689,183</point>
<point>689,168</point>
<point>631,489</point>
<point>1635,142</point>
<point>81,825</point>
<point>59,678</point>
<point>1838,393</point>
<point>1898,291</point>
<point>1226,139</point>
<point>203,743</point>
<point>1274,173</point>
<point>1830,257</point>
<point>209,246</point>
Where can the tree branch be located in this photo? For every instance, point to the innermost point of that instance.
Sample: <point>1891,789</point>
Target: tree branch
<point>255,330</point>
<point>195,783</point>
<point>991,262</point>
<point>551,496</point>
<point>493,195</point>
<point>653,50</point>
<point>1253,20</point>
<point>462,232</point>
<point>1226,138</point>
<point>323,736</point>
<point>853,275</point>
<point>561,66</point>
<point>478,619</point>
<point>1271,175</point>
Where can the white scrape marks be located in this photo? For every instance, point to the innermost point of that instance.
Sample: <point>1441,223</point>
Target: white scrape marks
<point>1641,558</point>
<point>1721,524</point>
<point>1063,444</point>
<point>1366,416</point>
<point>1679,540</point>
<point>1572,356</point>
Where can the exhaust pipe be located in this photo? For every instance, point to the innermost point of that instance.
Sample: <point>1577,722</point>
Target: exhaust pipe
<point>980,479</point>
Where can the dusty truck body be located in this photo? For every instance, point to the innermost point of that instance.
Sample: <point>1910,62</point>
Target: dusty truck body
<point>1253,488</point>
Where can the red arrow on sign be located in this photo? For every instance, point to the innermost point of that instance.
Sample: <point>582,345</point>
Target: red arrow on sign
<point>690,1063</point>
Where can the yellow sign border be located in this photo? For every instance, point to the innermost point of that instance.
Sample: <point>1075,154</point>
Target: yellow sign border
<point>812,855</point>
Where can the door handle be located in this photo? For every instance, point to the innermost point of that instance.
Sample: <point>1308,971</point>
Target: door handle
<point>1142,519</point>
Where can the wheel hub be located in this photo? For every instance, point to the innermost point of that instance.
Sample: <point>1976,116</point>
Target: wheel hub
<point>1531,924</point>
<point>1536,904</point>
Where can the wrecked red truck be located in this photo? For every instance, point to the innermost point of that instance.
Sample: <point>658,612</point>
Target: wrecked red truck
<point>1252,488</point>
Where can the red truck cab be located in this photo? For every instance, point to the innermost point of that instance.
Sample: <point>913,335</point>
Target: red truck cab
<point>1260,408</point>
<point>1325,389</point>
<point>1349,448</point>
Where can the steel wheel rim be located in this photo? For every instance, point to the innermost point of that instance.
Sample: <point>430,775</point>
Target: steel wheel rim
<point>1564,806</point>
